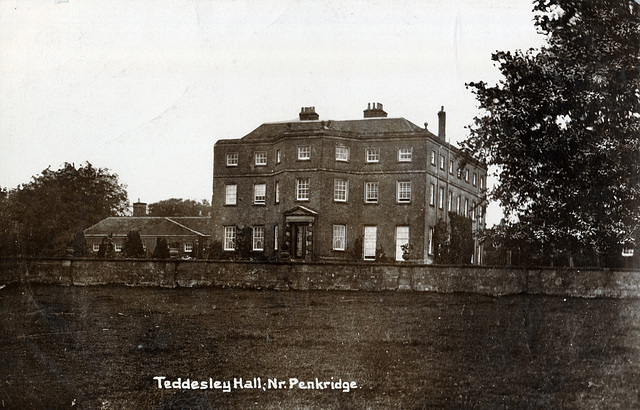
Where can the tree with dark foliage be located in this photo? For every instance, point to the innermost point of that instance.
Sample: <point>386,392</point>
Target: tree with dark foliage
<point>79,244</point>
<point>453,241</point>
<point>133,247</point>
<point>179,207</point>
<point>8,229</point>
<point>107,249</point>
<point>48,211</point>
<point>161,250</point>
<point>563,128</point>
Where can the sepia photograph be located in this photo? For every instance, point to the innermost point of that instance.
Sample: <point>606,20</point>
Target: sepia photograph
<point>298,204</point>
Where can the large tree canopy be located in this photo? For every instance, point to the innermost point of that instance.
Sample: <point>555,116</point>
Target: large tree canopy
<point>47,212</point>
<point>179,207</point>
<point>563,126</point>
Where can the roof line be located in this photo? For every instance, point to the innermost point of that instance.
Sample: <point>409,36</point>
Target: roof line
<point>185,227</point>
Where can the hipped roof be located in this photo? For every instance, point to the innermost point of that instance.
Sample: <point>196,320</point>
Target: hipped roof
<point>361,128</point>
<point>150,226</point>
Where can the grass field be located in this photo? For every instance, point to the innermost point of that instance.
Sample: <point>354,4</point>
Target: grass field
<point>102,346</point>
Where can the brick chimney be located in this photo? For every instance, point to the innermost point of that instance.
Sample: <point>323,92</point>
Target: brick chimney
<point>308,114</point>
<point>442,124</point>
<point>139,208</point>
<point>374,110</point>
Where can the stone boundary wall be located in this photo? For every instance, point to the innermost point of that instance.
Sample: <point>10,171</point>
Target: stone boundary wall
<point>492,281</point>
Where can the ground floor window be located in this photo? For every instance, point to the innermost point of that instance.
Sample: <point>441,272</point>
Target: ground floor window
<point>275,238</point>
<point>258,238</point>
<point>402,239</point>
<point>339,237</point>
<point>370,236</point>
<point>229,238</point>
<point>188,247</point>
<point>431,247</point>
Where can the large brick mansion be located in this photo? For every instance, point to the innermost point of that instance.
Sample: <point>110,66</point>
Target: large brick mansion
<point>314,189</point>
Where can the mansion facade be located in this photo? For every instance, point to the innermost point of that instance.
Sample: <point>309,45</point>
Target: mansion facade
<point>370,189</point>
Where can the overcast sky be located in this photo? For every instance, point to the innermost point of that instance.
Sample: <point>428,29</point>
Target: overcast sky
<point>145,88</point>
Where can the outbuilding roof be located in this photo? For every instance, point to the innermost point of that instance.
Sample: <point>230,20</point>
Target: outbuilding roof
<point>150,226</point>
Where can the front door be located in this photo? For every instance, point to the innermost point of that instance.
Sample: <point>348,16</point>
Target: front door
<point>299,240</point>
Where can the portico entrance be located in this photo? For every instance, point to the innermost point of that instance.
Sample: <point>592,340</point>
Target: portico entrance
<point>298,241</point>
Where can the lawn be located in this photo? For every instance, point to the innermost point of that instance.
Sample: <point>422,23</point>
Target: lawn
<point>120,347</point>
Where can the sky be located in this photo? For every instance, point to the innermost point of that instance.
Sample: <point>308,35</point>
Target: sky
<point>145,88</point>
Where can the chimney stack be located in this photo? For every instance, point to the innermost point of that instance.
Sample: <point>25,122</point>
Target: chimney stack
<point>374,112</point>
<point>442,124</point>
<point>139,208</point>
<point>308,114</point>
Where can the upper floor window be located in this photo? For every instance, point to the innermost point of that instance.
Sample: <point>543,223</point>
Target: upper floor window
<point>432,195</point>
<point>278,156</point>
<point>373,154</point>
<point>475,179</point>
<point>304,152</point>
<point>259,193</point>
<point>232,159</point>
<point>342,153</point>
<point>441,198</point>
<point>229,238</point>
<point>371,192</point>
<point>261,158</point>
<point>405,154</point>
<point>451,167</point>
<point>482,182</point>
<point>404,191</point>
<point>442,161</point>
<point>340,190</point>
<point>466,175</point>
<point>450,201</point>
<point>473,210</point>
<point>258,238</point>
<point>339,237</point>
<point>458,205</point>
<point>433,158</point>
<point>302,189</point>
<point>231,194</point>
<point>277,192</point>
<point>466,208</point>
